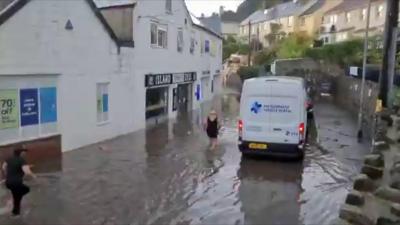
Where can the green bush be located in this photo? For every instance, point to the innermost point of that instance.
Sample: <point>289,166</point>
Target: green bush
<point>266,56</point>
<point>294,46</point>
<point>343,53</point>
<point>247,72</point>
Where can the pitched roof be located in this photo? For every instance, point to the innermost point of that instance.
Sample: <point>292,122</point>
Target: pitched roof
<point>230,16</point>
<point>16,5</point>
<point>114,3</point>
<point>348,5</point>
<point>316,6</point>
<point>278,11</point>
<point>212,22</point>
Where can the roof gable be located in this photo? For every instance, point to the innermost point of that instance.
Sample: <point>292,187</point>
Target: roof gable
<point>16,5</point>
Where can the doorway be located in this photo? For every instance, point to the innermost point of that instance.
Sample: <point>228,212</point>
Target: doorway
<point>184,98</point>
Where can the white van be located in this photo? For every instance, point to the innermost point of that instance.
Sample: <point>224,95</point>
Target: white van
<point>273,116</point>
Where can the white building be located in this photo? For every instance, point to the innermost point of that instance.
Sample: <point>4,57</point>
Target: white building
<point>68,73</point>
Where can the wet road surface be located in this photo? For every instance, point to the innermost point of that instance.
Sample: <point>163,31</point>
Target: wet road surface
<point>166,175</point>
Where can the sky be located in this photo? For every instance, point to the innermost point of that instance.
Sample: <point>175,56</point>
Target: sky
<point>197,7</point>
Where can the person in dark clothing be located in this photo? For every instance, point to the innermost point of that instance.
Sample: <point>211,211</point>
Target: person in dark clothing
<point>15,168</point>
<point>212,127</point>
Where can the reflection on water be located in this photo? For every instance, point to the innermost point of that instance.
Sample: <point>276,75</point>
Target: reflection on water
<point>167,175</point>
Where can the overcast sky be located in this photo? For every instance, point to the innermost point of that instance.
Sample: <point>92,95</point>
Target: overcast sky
<point>197,7</point>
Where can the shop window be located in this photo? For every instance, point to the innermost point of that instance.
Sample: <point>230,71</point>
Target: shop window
<point>102,102</point>
<point>156,102</point>
<point>158,35</point>
<point>180,40</point>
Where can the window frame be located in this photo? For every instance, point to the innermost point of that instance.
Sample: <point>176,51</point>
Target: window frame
<point>180,40</point>
<point>290,21</point>
<point>102,117</point>
<point>363,15</point>
<point>348,17</point>
<point>379,10</point>
<point>159,28</point>
<point>168,6</point>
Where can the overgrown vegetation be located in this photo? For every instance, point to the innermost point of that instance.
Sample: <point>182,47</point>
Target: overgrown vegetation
<point>247,72</point>
<point>232,46</point>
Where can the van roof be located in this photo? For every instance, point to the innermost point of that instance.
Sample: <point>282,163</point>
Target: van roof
<point>297,80</point>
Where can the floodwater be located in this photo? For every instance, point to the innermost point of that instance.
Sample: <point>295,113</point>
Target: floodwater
<point>167,175</point>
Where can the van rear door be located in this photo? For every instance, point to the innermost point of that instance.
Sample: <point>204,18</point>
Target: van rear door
<point>274,117</point>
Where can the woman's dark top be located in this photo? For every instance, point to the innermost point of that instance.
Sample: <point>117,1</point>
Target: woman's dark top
<point>15,173</point>
<point>212,128</point>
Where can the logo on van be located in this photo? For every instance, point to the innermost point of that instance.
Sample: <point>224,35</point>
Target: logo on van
<point>255,108</point>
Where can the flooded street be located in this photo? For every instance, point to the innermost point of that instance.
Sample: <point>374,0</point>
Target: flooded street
<point>167,175</point>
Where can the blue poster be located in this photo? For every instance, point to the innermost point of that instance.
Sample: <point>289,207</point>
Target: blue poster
<point>105,102</point>
<point>48,105</point>
<point>29,106</point>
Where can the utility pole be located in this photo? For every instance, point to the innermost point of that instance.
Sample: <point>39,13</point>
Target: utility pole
<point>249,55</point>
<point>364,71</point>
<point>392,12</point>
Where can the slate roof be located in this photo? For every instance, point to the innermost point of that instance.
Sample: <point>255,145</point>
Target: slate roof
<point>230,16</point>
<point>212,22</point>
<point>317,5</point>
<point>113,3</point>
<point>282,10</point>
<point>348,5</point>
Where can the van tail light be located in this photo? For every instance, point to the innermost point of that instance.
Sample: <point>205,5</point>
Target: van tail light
<point>240,127</point>
<point>301,130</point>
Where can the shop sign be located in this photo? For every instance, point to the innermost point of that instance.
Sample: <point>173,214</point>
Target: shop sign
<point>184,77</point>
<point>152,80</point>
<point>8,109</point>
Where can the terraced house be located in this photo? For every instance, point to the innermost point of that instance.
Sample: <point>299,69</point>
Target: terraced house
<point>270,24</point>
<point>348,20</point>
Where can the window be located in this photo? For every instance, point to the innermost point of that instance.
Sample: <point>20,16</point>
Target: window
<point>168,6</point>
<point>290,21</point>
<point>265,25</point>
<point>253,29</point>
<point>159,35</point>
<point>348,17</point>
<point>363,14</point>
<point>180,42</point>
<point>102,102</point>
<point>302,21</point>
<point>192,45</point>
<point>153,34</point>
<point>379,11</point>
<point>207,46</point>
<point>334,19</point>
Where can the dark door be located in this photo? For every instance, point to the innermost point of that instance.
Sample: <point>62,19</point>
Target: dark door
<point>184,100</point>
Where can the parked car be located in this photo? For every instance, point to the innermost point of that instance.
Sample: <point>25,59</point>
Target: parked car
<point>325,89</point>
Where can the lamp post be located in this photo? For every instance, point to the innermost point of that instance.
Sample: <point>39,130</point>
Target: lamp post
<point>364,71</point>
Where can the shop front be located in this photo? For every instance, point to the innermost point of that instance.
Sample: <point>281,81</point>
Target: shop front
<point>157,96</point>
<point>183,99</point>
<point>158,88</point>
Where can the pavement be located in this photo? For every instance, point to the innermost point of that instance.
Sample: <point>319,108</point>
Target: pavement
<point>167,175</point>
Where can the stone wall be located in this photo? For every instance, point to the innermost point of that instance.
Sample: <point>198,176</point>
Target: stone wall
<point>347,94</point>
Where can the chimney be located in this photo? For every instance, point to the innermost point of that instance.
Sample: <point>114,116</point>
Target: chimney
<point>221,10</point>
<point>202,15</point>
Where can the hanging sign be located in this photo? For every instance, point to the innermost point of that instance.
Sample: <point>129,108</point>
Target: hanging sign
<point>29,106</point>
<point>9,109</point>
<point>184,77</point>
